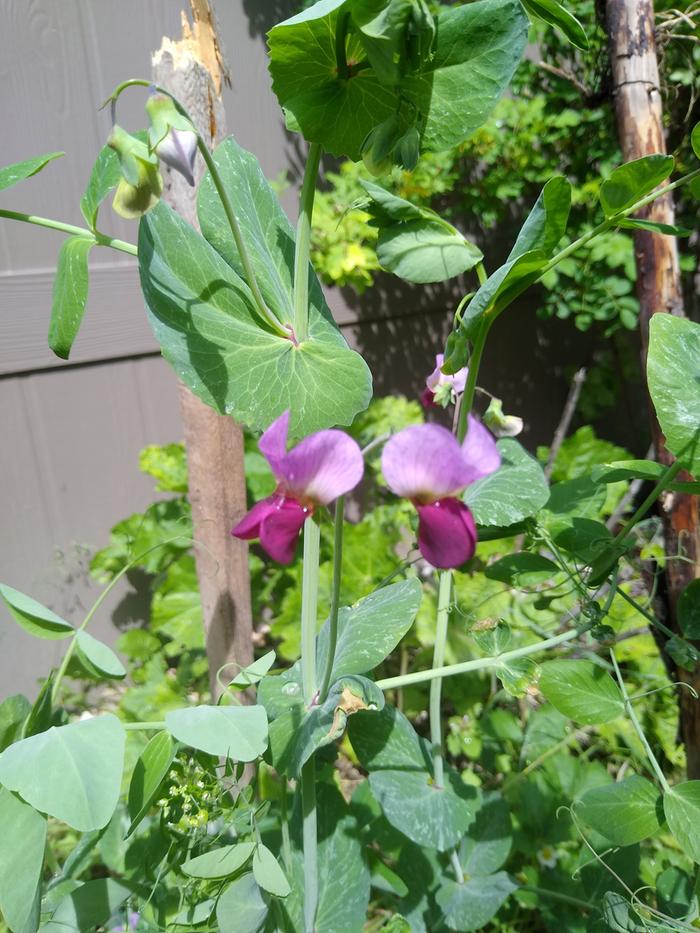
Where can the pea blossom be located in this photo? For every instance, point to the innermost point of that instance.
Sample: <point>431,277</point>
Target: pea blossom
<point>320,468</point>
<point>442,389</point>
<point>426,464</point>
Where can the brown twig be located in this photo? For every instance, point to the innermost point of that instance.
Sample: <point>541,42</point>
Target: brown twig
<point>565,421</point>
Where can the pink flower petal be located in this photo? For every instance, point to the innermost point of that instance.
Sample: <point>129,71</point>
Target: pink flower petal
<point>279,529</point>
<point>479,451</point>
<point>446,533</point>
<point>425,462</point>
<point>426,398</point>
<point>273,443</point>
<point>249,526</point>
<point>322,467</point>
<point>458,380</point>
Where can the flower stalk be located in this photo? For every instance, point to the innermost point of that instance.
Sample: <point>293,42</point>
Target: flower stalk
<point>443,613</point>
<point>303,244</point>
<point>335,597</point>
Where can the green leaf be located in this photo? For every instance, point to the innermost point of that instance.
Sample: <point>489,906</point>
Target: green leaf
<point>688,610</point>
<point>214,339</point>
<point>194,914</point>
<point>168,464</point>
<point>695,139</point>
<point>148,775</point>
<point>558,16</point>
<point>470,905</point>
<point>423,251</point>
<point>97,659</point>
<point>70,292</point>
<point>517,676</point>
<point>546,223</point>
<point>71,772</point>
<point>106,175</point>
<point>653,226</point>
<point>517,490</point>
<point>501,288</point>
<point>487,844</point>
<point>267,872</point>
<point>237,732</point>
<point>491,637</point>
<point>21,858</point>
<point>630,182</point>
<point>13,713</point>
<point>673,376</point>
<point>478,48</point>
<point>574,498</point>
<point>383,878</point>
<point>254,673</point>
<point>582,691</point>
<point>87,907</point>
<point>241,908</point>
<point>176,608</point>
<point>587,540</point>
<point>386,740</point>
<point>522,569</point>
<point>219,863</point>
<point>41,714</point>
<point>682,809</point>
<point>619,916</point>
<point>675,894</point>
<point>624,812</point>
<point>11,174</point>
<point>33,617</point>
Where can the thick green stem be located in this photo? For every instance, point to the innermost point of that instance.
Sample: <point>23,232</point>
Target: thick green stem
<point>467,400</point>
<point>478,664</point>
<point>309,836</point>
<point>309,602</point>
<point>638,727</point>
<point>443,614</point>
<point>456,867</point>
<point>303,241</point>
<point>481,273</point>
<point>99,238</point>
<point>341,35</point>
<point>335,597</point>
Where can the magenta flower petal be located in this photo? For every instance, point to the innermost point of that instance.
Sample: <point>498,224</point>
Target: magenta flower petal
<point>426,398</point>
<point>280,529</point>
<point>479,451</point>
<point>249,526</point>
<point>273,443</point>
<point>425,462</point>
<point>322,467</point>
<point>446,533</point>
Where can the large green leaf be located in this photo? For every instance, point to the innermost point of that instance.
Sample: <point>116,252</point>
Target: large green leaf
<point>97,659</point>
<point>70,292</point>
<point>470,905</point>
<point>557,15</point>
<point>149,772</point>
<point>517,490</point>
<point>487,844</point>
<point>33,617</point>
<point>688,610</point>
<point>13,713</point>
<point>629,183</point>
<point>22,845</point>
<point>242,907</point>
<point>87,907</point>
<point>423,251</point>
<point>268,872</point>
<point>219,863</point>
<point>522,569</point>
<point>624,812</point>
<point>581,690</point>
<point>682,809</point>
<point>72,772</point>
<point>546,223</point>
<point>478,48</point>
<point>205,320</point>
<point>11,174</point>
<point>237,732</point>
<point>673,376</point>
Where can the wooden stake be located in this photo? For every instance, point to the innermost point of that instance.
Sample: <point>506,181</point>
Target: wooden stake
<point>639,112</point>
<point>192,69</point>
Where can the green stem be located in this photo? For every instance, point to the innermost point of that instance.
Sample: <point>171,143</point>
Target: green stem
<point>481,273</point>
<point>556,896</point>
<point>303,241</point>
<point>310,836</point>
<point>284,825</point>
<point>443,614</point>
<point>467,400</point>
<point>652,620</point>
<point>335,597</point>
<point>95,606</point>
<point>99,238</point>
<point>637,726</point>
<point>478,664</point>
<point>341,33</point>
<point>456,867</point>
<point>666,477</point>
<point>309,602</point>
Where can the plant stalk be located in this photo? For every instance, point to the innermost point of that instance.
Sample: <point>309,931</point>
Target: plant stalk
<point>309,603</point>
<point>443,614</point>
<point>335,597</point>
<point>467,400</point>
<point>303,241</point>
<point>310,841</point>
<point>99,238</point>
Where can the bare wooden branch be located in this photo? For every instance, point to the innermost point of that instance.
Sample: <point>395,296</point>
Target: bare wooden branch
<point>565,420</point>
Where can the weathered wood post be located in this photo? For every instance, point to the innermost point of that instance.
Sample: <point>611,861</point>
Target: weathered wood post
<point>638,106</point>
<point>192,68</point>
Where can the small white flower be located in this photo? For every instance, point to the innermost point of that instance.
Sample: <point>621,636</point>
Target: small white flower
<point>547,857</point>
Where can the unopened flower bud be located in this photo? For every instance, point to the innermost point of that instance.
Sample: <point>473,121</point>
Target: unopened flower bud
<point>141,185</point>
<point>500,424</point>
<point>171,135</point>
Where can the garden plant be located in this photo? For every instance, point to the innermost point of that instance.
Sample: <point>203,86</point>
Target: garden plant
<point>335,792</point>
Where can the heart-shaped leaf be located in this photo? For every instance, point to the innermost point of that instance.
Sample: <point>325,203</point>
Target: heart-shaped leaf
<point>237,732</point>
<point>517,490</point>
<point>629,183</point>
<point>624,812</point>
<point>582,691</point>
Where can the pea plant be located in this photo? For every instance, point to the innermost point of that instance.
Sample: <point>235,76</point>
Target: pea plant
<point>238,816</point>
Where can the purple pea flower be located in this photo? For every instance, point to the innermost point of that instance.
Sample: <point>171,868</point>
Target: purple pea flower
<point>426,464</point>
<point>442,389</point>
<point>320,468</point>
<point>179,150</point>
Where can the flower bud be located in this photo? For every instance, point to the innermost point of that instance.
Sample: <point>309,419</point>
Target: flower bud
<point>499,424</point>
<point>171,135</point>
<point>140,186</point>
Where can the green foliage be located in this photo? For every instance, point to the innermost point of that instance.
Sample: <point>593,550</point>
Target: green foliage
<point>70,292</point>
<point>11,174</point>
